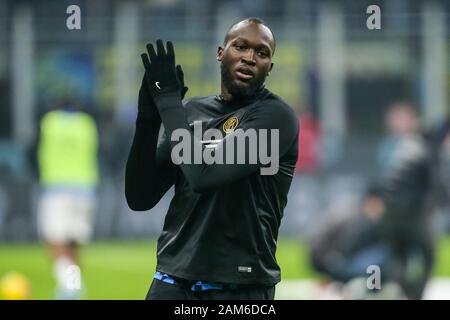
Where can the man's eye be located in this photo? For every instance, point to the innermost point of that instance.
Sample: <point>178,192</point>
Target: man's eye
<point>240,47</point>
<point>262,54</point>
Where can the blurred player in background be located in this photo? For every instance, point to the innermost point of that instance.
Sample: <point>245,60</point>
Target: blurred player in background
<point>440,138</point>
<point>220,233</point>
<point>394,229</point>
<point>68,171</point>
<point>406,182</point>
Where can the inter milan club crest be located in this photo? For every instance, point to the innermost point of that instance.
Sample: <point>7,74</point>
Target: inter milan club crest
<point>230,124</point>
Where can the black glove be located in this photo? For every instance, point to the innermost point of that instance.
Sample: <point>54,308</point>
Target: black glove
<point>162,75</point>
<point>146,107</point>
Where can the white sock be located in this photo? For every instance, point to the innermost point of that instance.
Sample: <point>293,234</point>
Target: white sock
<point>68,278</point>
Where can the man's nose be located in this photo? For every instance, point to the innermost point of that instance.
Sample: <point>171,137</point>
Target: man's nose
<point>249,57</point>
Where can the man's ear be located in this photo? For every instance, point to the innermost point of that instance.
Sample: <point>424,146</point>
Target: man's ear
<point>270,69</point>
<point>219,54</point>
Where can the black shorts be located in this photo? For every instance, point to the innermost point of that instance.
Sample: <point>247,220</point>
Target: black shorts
<point>160,290</point>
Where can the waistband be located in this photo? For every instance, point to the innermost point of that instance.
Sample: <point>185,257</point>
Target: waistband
<point>194,285</point>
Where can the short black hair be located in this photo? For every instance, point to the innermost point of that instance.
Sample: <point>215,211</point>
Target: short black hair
<point>251,20</point>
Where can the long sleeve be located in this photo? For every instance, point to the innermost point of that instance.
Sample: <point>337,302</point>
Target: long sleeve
<point>202,177</point>
<point>149,174</point>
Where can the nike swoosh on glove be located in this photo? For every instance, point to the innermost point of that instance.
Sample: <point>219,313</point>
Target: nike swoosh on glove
<point>163,77</point>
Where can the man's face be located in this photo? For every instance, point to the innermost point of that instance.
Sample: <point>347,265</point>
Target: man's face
<point>402,120</point>
<point>246,59</point>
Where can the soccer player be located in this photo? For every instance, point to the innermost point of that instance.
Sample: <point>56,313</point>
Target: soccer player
<point>406,181</point>
<point>68,168</point>
<point>220,232</point>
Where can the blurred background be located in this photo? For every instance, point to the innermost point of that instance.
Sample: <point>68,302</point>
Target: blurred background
<point>355,91</point>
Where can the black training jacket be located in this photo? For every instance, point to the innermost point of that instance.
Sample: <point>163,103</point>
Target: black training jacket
<point>223,221</point>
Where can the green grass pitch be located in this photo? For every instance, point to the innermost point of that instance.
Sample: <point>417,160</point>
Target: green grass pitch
<point>124,269</point>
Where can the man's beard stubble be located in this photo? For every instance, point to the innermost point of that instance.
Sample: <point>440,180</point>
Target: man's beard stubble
<point>236,91</point>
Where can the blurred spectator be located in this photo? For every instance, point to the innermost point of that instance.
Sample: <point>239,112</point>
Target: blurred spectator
<point>346,244</point>
<point>68,170</point>
<point>309,139</point>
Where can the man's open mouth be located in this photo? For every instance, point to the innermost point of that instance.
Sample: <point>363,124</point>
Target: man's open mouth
<point>244,74</point>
